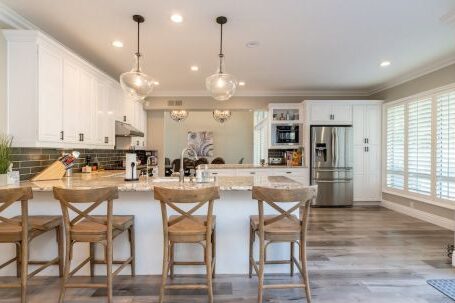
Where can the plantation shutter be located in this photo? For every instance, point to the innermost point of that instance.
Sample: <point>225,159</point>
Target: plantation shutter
<point>445,146</point>
<point>395,147</point>
<point>419,146</point>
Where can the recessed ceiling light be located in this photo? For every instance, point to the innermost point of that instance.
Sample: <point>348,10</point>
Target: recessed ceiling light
<point>156,83</point>
<point>117,43</point>
<point>385,63</point>
<point>252,44</point>
<point>176,18</point>
<point>242,83</point>
<point>194,68</point>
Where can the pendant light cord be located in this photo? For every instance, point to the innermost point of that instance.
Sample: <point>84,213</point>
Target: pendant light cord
<point>221,55</point>
<point>138,54</point>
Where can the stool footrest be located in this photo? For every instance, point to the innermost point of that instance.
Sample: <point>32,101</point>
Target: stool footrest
<point>188,263</point>
<point>280,286</point>
<point>85,285</point>
<point>44,266</point>
<point>186,286</point>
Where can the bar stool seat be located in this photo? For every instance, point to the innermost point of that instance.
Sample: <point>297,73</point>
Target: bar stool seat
<point>282,227</point>
<point>37,225</point>
<point>86,227</point>
<point>195,230</point>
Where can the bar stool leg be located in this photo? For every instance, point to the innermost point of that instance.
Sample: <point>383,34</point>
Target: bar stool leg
<point>18,260</point>
<point>60,247</point>
<point>252,235</point>
<point>208,263</point>
<point>24,271</point>
<point>171,259</point>
<point>66,271</point>
<point>305,270</point>
<point>165,268</point>
<point>213,252</point>
<point>131,235</point>
<point>92,258</point>
<point>292,259</point>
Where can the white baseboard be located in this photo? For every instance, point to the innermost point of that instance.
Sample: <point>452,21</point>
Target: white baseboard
<point>421,215</point>
<point>367,203</point>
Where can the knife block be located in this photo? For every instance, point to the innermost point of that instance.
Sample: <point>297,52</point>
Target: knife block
<point>55,171</point>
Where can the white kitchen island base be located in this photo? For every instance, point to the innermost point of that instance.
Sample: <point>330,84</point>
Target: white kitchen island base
<point>232,213</point>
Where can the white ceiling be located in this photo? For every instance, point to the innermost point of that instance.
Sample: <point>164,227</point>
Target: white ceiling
<point>305,45</point>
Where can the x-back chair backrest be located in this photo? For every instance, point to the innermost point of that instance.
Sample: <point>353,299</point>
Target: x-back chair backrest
<point>10,196</point>
<point>303,197</point>
<point>171,196</point>
<point>69,197</point>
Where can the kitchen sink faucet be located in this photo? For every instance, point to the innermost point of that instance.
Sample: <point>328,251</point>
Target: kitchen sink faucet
<point>188,150</point>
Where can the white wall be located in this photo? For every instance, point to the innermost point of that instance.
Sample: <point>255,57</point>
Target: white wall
<point>2,84</point>
<point>232,140</point>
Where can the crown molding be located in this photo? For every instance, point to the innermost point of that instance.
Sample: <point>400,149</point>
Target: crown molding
<point>296,93</point>
<point>428,69</point>
<point>14,20</point>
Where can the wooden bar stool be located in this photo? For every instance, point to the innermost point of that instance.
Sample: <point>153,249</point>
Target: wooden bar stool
<point>84,227</point>
<point>187,228</point>
<point>21,230</point>
<point>283,227</point>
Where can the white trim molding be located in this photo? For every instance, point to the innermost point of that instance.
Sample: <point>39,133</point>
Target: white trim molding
<point>12,19</point>
<point>421,215</point>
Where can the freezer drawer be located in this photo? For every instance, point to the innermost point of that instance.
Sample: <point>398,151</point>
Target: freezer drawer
<point>331,173</point>
<point>334,192</point>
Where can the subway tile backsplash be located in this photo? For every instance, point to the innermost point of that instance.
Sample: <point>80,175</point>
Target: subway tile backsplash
<point>30,161</point>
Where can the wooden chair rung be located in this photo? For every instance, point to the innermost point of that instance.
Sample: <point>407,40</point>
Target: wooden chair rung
<point>43,267</point>
<point>8,262</point>
<point>186,286</point>
<point>283,286</point>
<point>85,285</point>
<point>10,285</point>
<point>124,264</point>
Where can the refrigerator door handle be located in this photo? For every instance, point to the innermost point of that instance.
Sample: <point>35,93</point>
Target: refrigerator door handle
<point>333,181</point>
<point>333,146</point>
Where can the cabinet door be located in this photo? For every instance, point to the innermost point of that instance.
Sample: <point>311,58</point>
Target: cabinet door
<point>101,109</point>
<point>71,106</point>
<point>358,123</point>
<point>372,173</point>
<point>373,124</point>
<point>320,112</point>
<point>50,65</point>
<point>342,113</point>
<point>85,102</point>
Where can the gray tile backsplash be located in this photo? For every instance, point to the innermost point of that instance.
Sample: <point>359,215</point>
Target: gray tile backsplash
<point>30,161</point>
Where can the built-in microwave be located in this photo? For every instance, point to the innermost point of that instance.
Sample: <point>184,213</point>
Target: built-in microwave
<point>286,134</point>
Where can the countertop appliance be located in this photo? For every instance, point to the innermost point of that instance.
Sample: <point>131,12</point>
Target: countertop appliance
<point>287,134</point>
<point>131,167</point>
<point>331,164</point>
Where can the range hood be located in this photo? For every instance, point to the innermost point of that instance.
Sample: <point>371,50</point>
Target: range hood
<point>123,129</point>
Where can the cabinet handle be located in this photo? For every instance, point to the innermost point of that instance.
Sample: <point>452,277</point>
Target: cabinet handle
<point>62,135</point>
<point>333,117</point>
<point>82,137</point>
<point>365,149</point>
<point>365,140</point>
<point>252,173</point>
<point>106,140</point>
<point>368,140</point>
<point>124,118</point>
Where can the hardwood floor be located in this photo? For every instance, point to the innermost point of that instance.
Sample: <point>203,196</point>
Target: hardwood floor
<point>363,254</point>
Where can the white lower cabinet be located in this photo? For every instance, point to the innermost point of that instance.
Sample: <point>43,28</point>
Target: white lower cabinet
<point>367,152</point>
<point>299,174</point>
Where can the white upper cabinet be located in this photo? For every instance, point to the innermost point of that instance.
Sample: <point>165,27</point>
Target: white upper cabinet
<point>50,65</point>
<point>55,98</point>
<point>329,112</point>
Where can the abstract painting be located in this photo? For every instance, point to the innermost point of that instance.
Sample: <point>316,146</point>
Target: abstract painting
<point>202,143</point>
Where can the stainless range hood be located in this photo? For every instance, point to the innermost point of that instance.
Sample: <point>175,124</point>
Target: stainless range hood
<point>123,129</point>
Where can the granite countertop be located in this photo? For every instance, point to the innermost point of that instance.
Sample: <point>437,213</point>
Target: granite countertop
<point>249,166</point>
<point>116,178</point>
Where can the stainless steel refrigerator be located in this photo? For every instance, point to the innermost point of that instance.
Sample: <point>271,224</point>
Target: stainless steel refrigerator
<point>331,164</point>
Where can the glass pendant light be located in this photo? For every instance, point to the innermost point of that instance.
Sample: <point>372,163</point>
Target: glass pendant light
<point>178,115</point>
<point>221,85</point>
<point>221,116</point>
<point>135,83</point>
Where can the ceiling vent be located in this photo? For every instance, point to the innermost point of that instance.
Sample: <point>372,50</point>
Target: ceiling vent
<point>174,102</point>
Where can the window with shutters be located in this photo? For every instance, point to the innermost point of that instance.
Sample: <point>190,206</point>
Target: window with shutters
<point>419,146</point>
<point>445,146</point>
<point>395,147</point>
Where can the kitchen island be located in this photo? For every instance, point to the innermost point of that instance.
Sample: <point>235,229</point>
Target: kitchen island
<point>232,212</point>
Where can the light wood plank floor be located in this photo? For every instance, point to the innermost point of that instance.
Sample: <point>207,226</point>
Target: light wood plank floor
<point>363,254</point>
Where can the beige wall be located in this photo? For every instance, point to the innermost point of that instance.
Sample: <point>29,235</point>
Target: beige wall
<point>2,84</point>
<point>235,103</point>
<point>232,140</point>
<point>155,136</point>
<point>427,82</point>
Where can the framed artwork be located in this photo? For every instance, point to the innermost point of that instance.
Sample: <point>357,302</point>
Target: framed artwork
<point>202,143</point>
